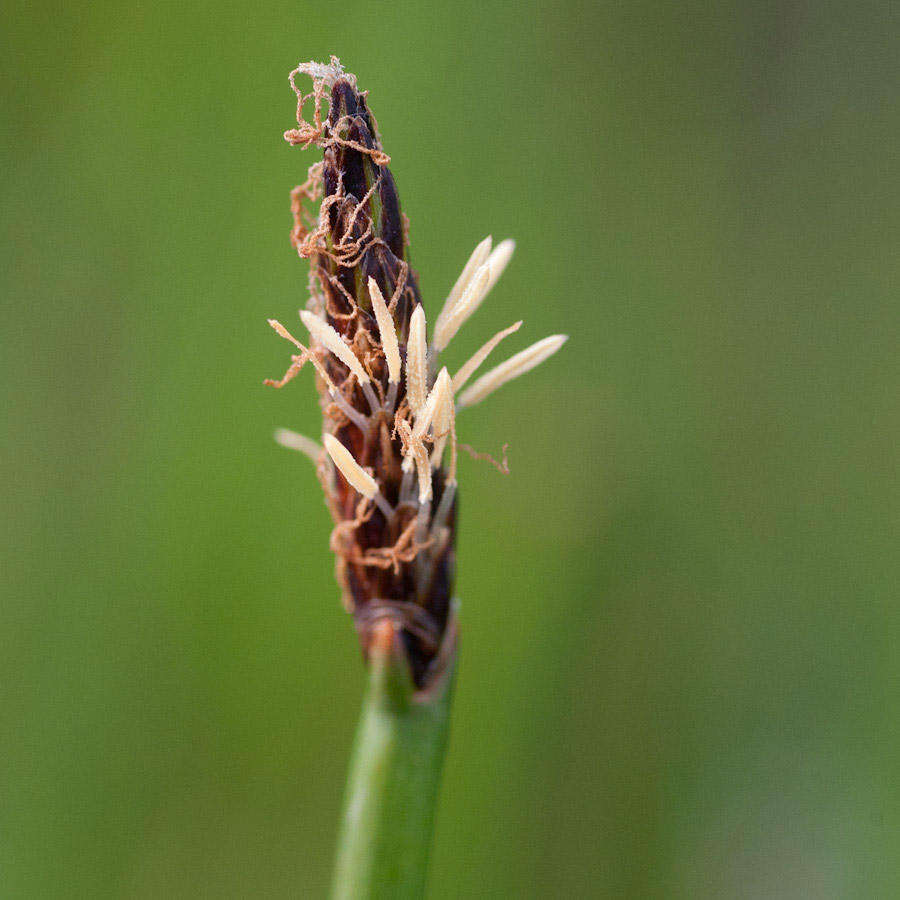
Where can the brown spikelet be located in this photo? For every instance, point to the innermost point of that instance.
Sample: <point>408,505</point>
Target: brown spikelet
<point>359,234</point>
<point>382,466</point>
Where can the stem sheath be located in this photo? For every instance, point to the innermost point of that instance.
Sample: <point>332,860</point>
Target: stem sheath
<point>393,783</point>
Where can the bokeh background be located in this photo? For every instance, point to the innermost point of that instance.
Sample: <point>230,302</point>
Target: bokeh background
<point>680,672</point>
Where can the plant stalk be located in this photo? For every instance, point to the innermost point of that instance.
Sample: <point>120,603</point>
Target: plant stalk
<point>395,774</point>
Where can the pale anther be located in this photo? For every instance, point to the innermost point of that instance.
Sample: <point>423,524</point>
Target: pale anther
<point>512,368</point>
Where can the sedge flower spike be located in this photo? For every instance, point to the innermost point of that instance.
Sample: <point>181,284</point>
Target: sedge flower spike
<point>388,459</point>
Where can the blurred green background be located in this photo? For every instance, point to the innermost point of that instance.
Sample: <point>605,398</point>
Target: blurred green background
<point>679,671</point>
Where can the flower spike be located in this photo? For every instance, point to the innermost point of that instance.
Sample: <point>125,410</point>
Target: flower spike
<point>366,317</point>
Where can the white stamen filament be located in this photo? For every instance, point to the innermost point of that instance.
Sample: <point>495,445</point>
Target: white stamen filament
<point>422,557</point>
<point>354,415</point>
<point>409,460</point>
<point>512,368</point>
<point>443,511</point>
<point>469,369</point>
<point>391,397</point>
<point>478,258</point>
<point>444,507</point>
<point>416,356</point>
<point>440,442</point>
<point>416,455</point>
<point>451,474</point>
<point>463,308</point>
<point>406,484</point>
<point>423,469</point>
<point>388,332</point>
<point>283,332</point>
<point>299,442</point>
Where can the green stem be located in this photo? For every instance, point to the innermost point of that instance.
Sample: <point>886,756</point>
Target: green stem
<point>393,783</point>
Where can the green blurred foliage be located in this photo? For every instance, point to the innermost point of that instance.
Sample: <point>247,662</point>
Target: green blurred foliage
<point>679,674</point>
